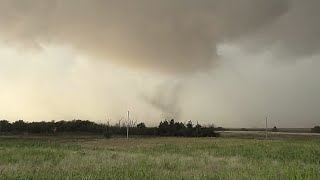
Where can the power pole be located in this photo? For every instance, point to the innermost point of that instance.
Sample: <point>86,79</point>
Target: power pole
<point>266,127</point>
<point>128,124</point>
<point>197,129</point>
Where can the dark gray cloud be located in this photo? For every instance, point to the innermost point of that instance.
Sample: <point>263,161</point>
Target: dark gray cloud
<point>162,35</point>
<point>176,36</point>
<point>293,35</point>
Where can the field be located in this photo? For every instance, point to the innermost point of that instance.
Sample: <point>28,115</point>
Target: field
<point>89,157</point>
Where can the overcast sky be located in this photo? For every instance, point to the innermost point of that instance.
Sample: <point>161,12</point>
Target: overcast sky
<point>223,62</point>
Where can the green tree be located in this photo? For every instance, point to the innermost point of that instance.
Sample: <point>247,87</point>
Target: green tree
<point>274,129</point>
<point>316,129</point>
<point>141,125</point>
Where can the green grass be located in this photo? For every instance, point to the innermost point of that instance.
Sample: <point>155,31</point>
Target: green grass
<point>158,158</point>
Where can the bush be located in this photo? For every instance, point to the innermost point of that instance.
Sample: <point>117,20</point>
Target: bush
<point>316,129</point>
<point>173,128</point>
<point>274,129</point>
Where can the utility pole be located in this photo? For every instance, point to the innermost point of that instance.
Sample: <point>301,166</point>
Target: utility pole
<point>197,129</point>
<point>266,127</point>
<point>128,124</point>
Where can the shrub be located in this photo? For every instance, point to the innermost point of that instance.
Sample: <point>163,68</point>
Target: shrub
<point>316,129</point>
<point>274,129</point>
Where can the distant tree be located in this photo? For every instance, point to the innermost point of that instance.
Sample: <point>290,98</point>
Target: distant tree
<point>316,129</point>
<point>5,126</point>
<point>172,128</point>
<point>209,132</point>
<point>164,128</point>
<point>198,130</point>
<point>19,126</point>
<point>189,125</point>
<point>189,130</point>
<point>274,129</point>
<point>180,128</point>
<point>107,133</point>
<point>141,125</point>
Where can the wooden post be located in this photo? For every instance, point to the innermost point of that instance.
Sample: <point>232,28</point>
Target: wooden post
<point>128,124</point>
<point>266,127</point>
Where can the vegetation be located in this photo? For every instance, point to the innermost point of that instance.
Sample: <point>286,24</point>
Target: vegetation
<point>173,128</point>
<point>165,128</point>
<point>51,127</point>
<point>274,129</point>
<point>316,129</point>
<point>57,157</point>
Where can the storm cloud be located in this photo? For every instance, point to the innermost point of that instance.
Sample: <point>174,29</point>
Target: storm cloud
<point>207,60</point>
<point>161,35</point>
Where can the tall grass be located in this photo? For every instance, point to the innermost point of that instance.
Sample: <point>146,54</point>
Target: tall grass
<point>158,158</point>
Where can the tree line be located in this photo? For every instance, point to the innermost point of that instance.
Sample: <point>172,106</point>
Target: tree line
<point>315,129</point>
<point>165,128</point>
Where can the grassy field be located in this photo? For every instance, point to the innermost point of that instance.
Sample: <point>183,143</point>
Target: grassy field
<point>32,157</point>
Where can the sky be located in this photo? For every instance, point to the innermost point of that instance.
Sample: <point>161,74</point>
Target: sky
<point>223,62</point>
